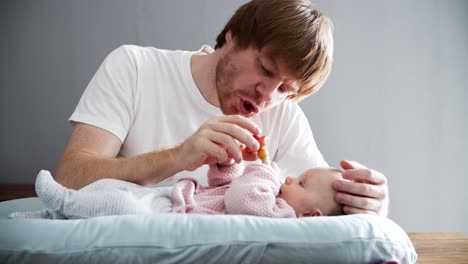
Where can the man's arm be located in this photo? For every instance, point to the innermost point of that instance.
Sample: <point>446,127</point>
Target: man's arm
<point>91,155</point>
<point>92,152</point>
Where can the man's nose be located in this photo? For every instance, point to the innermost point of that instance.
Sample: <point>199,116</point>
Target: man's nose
<point>268,88</point>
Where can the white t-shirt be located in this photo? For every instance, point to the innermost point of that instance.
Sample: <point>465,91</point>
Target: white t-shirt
<point>147,98</point>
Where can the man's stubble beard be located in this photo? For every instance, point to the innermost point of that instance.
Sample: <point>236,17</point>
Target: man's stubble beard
<point>226,74</point>
<point>224,89</point>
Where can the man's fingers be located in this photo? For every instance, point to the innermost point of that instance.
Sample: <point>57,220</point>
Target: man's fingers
<point>228,143</point>
<point>366,190</point>
<point>218,140</point>
<point>228,162</point>
<point>241,121</point>
<point>249,156</point>
<point>236,132</point>
<point>360,188</point>
<point>357,172</point>
<point>358,202</point>
<point>364,175</point>
<point>347,165</point>
<point>354,210</point>
<point>215,151</point>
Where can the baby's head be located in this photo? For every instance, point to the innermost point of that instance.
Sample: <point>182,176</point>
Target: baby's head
<point>311,194</point>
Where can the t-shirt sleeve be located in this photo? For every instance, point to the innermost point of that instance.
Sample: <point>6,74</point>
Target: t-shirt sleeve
<point>107,102</point>
<point>297,150</point>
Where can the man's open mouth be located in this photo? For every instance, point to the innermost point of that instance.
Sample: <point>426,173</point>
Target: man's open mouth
<point>247,108</point>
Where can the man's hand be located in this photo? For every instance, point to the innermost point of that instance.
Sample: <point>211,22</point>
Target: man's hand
<point>366,192</point>
<point>219,140</point>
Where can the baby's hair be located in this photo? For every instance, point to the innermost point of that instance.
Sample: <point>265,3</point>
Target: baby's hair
<point>335,169</point>
<point>338,208</point>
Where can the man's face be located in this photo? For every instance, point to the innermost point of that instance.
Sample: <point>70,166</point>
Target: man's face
<point>248,81</point>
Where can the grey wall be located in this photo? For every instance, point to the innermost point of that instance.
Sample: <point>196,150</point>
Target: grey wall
<point>394,101</point>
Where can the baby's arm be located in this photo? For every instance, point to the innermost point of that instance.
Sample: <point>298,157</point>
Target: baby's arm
<point>255,193</point>
<point>219,175</point>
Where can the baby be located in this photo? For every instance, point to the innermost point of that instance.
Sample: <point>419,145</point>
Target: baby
<point>252,190</point>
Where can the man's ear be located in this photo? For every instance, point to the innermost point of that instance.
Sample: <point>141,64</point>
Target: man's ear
<point>228,37</point>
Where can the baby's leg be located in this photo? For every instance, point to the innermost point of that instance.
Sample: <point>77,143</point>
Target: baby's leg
<point>99,203</point>
<point>42,214</point>
<point>115,202</point>
<point>93,200</point>
<point>104,197</point>
<point>50,192</point>
<point>143,200</point>
<point>105,184</point>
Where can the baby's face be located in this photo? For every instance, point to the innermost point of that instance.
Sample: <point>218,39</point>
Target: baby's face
<point>311,194</point>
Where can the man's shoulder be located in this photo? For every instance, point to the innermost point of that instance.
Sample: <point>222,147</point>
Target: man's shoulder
<point>288,105</point>
<point>144,51</point>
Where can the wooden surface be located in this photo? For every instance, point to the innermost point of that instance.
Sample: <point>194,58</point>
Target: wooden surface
<point>435,248</point>
<point>16,191</point>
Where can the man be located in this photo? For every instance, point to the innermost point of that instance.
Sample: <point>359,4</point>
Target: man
<point>151,116</point>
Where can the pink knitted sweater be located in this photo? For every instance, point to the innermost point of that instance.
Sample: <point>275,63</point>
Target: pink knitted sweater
<point>233,190</point>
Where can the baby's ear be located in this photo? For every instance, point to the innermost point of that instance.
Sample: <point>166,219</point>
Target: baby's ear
<point>317,213</point>
<point>314,212</point>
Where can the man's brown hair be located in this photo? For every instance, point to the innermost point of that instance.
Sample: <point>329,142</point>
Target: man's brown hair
<point>292,29</point>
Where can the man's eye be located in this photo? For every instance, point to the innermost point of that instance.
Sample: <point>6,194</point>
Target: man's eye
<point>281,89</point>
<point>265,71</point>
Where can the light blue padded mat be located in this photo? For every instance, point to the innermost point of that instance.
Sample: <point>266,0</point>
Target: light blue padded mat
<point>189,238</point>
